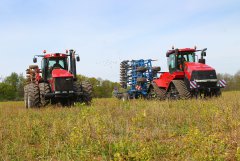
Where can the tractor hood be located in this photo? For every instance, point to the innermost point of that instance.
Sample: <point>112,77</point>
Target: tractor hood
<point>197,66</point>
<point>56,73</point>
<point>199,71</point>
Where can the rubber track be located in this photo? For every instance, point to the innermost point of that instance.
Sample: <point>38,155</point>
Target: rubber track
<point>182,89</point>
<point>161,93</point>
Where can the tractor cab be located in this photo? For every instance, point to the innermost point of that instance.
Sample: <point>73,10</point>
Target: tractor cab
<point>53,61</point>
<point>178,57</point>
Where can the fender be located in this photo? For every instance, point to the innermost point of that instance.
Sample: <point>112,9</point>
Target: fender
<point>166,78</point>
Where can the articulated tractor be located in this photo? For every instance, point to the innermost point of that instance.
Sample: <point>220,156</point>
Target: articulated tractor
<point>188,76</point>
<point>55,82</point>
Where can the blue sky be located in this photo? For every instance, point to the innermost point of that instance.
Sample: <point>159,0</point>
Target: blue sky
<point>105,32</point>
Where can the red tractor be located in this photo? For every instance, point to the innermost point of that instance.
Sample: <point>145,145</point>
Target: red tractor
<point>56,81</point>
<point>188,77</point>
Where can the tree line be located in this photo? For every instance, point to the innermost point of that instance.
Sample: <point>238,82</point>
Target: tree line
<point>12,86</point>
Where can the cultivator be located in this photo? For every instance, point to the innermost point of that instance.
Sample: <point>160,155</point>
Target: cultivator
<point>136,75</point>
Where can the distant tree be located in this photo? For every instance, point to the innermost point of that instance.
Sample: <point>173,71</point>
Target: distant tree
<point>7,92</point>
<point>20,86</point>
<point>17,84</point>
<point>12,80</point>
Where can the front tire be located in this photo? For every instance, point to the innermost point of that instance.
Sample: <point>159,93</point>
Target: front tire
<point>33,97</point>
<point>44,89</point>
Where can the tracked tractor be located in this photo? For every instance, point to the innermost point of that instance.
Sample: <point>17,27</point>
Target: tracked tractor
<point>188,77</point>
<point>56,81</point>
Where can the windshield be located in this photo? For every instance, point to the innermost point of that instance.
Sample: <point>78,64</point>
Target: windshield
<point>188,57</point>
<point>58,63</point>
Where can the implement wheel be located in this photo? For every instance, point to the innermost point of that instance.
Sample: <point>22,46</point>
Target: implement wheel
<point>141,69</point>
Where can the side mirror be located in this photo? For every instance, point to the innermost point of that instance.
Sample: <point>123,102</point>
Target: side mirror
<point>34,60</point>
<point>78,58</point>
<point>204,53</point>
<point>203,61</point>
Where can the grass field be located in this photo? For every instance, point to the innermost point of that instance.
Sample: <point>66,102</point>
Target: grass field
<point>114,130</point>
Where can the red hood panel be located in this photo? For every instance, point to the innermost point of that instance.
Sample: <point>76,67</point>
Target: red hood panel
<point>190,67</point>
<point>61,73</point>
<point>197,67</point>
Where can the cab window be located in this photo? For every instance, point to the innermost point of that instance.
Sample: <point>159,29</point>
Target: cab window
<point>53,62</point>
<point>171,62</point>
<point>190,57</point>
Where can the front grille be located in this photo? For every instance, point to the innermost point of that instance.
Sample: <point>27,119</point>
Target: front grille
<point>63,84</point>
<point>202,75</point>
<point>207,84</point>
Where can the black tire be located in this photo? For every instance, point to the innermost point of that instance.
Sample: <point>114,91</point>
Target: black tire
<point>28,71</point>
<point>44,89</point>
<point>33,96</point>
<point>77,88</point>
<point>181,90</point>
<point>156,69</point>
<point>218,93</point>
<point>141,80</point>
<point>141,69</point>
<point>87,90</point>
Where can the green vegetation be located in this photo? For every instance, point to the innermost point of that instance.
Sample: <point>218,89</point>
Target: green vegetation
<point>114,130</point>
<point>12,87</point>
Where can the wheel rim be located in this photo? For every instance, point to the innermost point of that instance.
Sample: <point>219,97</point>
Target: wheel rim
<point>28,102</point>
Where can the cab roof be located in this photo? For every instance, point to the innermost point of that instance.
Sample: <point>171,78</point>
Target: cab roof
<point>169,52</point>
<point>55,55</point>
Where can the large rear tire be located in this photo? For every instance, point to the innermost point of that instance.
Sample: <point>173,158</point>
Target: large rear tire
<point>87,90</point>
<point>33,96</point>
<point>44,89</point>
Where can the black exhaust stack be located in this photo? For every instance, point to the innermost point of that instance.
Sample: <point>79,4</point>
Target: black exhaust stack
<point>73,64</point>
<point>203,53</point>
